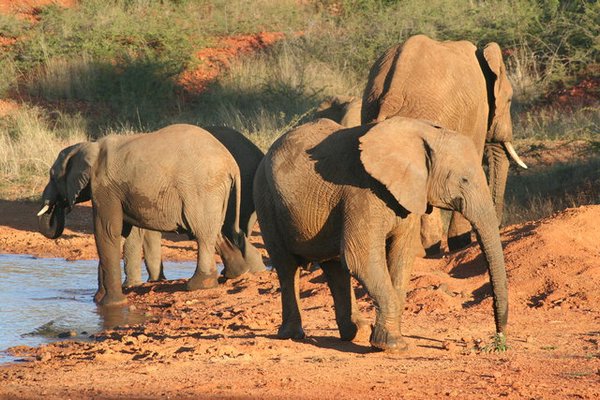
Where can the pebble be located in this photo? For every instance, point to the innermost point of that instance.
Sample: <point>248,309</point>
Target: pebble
<point>44,357</point>
<point>67,334</point>
<point>449,346</point>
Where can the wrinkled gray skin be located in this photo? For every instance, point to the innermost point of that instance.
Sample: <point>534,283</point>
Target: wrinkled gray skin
<point>179,178</point>
<point>344,110</point>
<point>247,157</point>
<point>351,200</point>
<point>457,86</point>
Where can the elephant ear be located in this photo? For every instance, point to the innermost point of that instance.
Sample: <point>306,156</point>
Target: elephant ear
<point>73,169</point>
<point>394,153</point>
<point>502,87</point>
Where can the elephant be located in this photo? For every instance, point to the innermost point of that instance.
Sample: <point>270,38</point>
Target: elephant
<point>351,199</point>
<point>247,157</point>
<point>460,87</point>
<point>344,110</point>
<point>179,178</point>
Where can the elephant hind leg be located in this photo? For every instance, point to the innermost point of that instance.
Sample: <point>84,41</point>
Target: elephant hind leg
<point>459,232</point>
<point>351,324</point>
<point>205,276</point>
<point>288,273</point>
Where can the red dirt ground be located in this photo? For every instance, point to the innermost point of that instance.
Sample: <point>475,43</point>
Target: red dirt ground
<point>28,9</point>
<point>220,343</point>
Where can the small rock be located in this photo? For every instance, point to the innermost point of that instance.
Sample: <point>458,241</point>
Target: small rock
<point>45,356</point>
<point>529,339</point>
<point>449,346</point>
<point>142,338</point>
<point>132,307</point>
<point>67,334</point>
<point>129,340</point>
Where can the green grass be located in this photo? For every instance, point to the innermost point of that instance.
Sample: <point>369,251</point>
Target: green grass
<point>95,69</point>
<point>30,140</point>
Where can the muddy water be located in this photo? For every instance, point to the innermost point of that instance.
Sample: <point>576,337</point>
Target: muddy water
<point>44,298</point>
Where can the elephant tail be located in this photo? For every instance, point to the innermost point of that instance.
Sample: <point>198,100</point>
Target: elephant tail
<point>235,199</point>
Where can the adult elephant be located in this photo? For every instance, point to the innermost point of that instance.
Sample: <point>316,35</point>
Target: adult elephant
<point>351,200</point>
<point>247,156</point>
<point>179,178</point>
<point>458,86</point>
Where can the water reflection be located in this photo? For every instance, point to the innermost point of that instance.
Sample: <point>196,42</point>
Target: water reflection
<point>111,317</point>
<point>44,298</point>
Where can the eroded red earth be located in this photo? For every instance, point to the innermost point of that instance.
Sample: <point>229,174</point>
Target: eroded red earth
<point>220,343</point>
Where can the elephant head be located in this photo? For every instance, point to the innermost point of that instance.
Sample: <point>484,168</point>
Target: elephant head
<point>500,135</point>
<point>69,184</point>
<point>421,166</point>
<point>344,110</point>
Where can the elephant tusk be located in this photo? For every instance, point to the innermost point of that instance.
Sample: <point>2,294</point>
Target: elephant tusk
<point>43,210</point>
<point>511,150</point>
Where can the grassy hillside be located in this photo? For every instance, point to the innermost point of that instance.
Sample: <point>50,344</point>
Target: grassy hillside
<point>113,67</point>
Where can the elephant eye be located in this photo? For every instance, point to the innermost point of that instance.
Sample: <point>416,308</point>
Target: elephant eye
<point>464,180</point>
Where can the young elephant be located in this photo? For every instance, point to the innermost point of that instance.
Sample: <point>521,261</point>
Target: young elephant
<point>247,157</point>
<point>351,199</point>
<point>179,178</point>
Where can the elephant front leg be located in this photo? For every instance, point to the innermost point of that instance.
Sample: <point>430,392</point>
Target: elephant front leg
<point>351,324</point>
<point>459,232</point>
<point>365,259</point>
<point>431,232</point>
<point>152,255</point>
<point>401,255</point>
<point>107,232</point>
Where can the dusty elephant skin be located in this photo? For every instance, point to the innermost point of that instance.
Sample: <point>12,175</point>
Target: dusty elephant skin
<point>179,178</point>
<point>351,200</point>
<point>247,156</point>
<point>344,110</point>
<point>458,86</point>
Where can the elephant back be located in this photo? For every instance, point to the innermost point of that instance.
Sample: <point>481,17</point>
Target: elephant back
<point>426,79</point>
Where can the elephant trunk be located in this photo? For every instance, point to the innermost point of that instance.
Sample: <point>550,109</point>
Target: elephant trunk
<point>52,222</point>
<point>498,172</point>
<point>482,217</point>
<point>51,217</point>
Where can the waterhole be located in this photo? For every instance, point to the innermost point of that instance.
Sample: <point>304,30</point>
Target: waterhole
<point>48,299</point>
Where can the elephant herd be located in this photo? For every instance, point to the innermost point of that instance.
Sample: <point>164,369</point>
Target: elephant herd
<point>358,190</point>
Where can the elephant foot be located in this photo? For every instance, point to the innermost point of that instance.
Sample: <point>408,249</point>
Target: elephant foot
<point>433,250</point>
<point>112,300</point>
<point>363,333</point>
<point>459,242</point>
<point>383,339</point>
<point>99,295</point>
<point>291,331</point>
<point>234,267</point>
<point>257,269</point>
<point>154,277</point>
<point>202,282</point>
<point>129,283</point>
<point>357,330</point>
